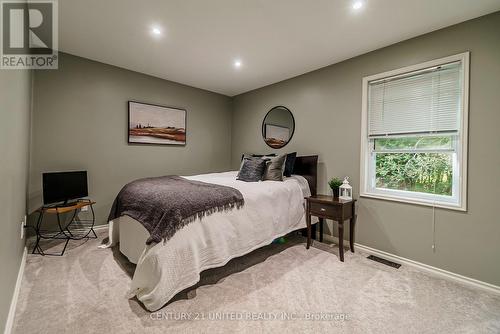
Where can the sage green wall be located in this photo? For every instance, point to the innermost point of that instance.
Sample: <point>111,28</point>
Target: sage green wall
<point>80,123</point>
<point>15,102</point>
<point>327,107</point>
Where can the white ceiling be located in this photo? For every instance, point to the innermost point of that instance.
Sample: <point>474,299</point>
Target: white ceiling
<point>275,39</point>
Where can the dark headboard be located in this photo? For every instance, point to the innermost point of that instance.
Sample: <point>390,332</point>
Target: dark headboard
<point>308,168</point>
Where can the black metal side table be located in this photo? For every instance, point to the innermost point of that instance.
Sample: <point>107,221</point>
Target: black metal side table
<point>74,229</point>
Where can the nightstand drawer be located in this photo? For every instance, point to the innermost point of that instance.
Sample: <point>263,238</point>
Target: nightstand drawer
<point>323,209</point>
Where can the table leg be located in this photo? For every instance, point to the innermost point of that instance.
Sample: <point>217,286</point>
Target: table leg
<point>35,248</point>
<point>352,226</point>
<point>321,222</point>
<point>93,220</point>
<point>351,232</point>
<point>39,221</point>
<point>309,232</point>
<point>308,222</point>
<point>71,222</point>
<point>313,231</point>
<point>65,245</point>
<point>341,240</point>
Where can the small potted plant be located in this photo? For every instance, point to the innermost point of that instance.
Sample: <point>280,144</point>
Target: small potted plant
<point>335,183</point>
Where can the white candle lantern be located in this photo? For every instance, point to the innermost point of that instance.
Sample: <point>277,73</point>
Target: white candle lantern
<point>345,189</point>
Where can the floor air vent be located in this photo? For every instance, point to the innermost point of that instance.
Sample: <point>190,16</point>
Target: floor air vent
<point>384,261</point>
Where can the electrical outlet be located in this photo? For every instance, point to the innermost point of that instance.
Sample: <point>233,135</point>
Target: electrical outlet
<point>23,224</point>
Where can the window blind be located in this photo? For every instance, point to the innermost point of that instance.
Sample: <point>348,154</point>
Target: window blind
<point>422,102</point>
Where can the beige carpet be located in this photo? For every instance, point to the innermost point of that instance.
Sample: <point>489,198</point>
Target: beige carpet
<point>277,289</point>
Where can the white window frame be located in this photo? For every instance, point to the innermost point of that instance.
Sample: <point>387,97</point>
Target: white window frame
<point>366,170</point>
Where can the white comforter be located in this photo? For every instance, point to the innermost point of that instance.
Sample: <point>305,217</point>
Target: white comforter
<point>271,209</point>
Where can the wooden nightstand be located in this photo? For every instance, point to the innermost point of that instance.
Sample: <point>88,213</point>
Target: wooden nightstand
<point>339,210</point>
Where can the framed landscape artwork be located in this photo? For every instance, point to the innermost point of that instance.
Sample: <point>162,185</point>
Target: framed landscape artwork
<point>153,124</point>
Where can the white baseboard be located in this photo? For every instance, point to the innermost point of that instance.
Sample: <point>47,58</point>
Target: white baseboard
<point>12,311</point>
<point>101,227</point>
<point>422,266</point>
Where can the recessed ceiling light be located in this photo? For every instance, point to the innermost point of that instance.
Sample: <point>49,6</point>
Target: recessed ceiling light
<point>237,63</point>
<point>156,31</point>
<point>357,5</point>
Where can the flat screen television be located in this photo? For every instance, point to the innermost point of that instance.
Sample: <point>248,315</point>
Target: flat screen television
<point>64,186</point>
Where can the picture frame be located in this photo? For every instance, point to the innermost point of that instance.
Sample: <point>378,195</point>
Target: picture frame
<point>156,124</point>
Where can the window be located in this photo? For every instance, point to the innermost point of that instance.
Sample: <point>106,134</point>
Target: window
<point>414,134</point>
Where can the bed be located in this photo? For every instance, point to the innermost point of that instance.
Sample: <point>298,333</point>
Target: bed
<point>272,209</point>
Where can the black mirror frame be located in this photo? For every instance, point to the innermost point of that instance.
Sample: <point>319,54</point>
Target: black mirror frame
<point>263,130</point>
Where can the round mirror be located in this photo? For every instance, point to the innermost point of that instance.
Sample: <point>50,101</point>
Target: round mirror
<point>278,127</point>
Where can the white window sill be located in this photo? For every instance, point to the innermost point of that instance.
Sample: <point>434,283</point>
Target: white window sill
<point>417,201</point>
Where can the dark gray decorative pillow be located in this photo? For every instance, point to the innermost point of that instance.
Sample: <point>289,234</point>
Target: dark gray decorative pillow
<point>289,164</point>
<point>252,169</point>
<point>274,168</point>
<point>243,157</point>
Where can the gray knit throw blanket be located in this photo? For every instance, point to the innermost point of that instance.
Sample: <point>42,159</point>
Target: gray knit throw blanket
<point>164,205</point>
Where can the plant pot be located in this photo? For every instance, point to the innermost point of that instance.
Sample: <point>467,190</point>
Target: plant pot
<point>336,191</point>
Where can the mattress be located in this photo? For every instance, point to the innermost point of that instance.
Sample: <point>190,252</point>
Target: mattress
<point>272,209</point>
